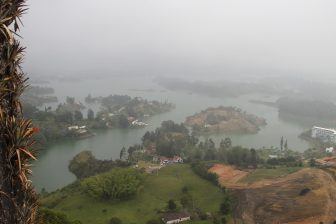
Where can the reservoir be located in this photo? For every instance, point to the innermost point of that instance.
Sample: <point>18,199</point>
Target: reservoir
<point>51,169</point>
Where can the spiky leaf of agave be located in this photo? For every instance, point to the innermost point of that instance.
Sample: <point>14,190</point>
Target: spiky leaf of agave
<point>18,200</point>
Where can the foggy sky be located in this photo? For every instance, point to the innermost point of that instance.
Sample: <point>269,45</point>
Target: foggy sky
<point>182,38</point>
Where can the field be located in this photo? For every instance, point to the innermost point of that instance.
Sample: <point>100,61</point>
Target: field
<point>152,198</point>
<point>262,174</point>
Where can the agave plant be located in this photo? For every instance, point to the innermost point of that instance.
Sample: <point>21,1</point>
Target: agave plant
<point>18,200</point>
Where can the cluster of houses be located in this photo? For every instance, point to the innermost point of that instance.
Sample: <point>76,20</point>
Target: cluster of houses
<point>80,131</point>
<point>137,123</point>
<point>324,134</point>
<point>163,161</point>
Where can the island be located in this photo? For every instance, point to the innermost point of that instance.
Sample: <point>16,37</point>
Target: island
<point>229,120</point>
<point>123,111</point>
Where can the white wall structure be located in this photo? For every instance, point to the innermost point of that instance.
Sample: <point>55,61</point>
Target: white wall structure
<point>324,134</point>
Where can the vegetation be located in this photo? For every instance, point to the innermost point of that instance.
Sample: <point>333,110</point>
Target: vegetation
<point>147,205</point>
<point>264,173</point>
<point>46,216</point>
<point>116,184</point>
<point>53,125</point>
<point>85,165</point>
<point>226,120</point>
<point>201,169</point>
<point>119,111</point>
<point>169,139</point>
<point>307,108</point>
<point>18,201</point>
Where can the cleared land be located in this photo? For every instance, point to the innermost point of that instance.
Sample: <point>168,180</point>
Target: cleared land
<point>152,198</point>
<point>283,195</point>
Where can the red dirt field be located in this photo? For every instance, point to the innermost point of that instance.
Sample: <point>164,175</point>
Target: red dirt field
<point>279,201</point>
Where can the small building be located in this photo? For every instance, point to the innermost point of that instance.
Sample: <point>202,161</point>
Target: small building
<point>166,160</point>
<point>176,217</point>
<point>273,156</point>
<point>70,128</point>
<point>324,134</point>
<point>329,150</point>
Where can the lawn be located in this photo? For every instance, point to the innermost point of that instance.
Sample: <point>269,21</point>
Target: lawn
<point>153,197</point>
<point>261,174</point>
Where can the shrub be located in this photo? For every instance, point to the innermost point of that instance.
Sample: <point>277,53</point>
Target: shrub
<point>153,221</point>
<point>172,205</point>
<point>46,216</point>
<point>115,220</point>
<point>304,191</point>
<point>117,184</point>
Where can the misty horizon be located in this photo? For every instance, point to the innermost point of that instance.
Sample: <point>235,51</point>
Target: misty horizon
<point>180,38</point>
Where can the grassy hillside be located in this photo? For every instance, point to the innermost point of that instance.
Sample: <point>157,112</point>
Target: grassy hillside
<point>155,193</point>
<point>262,174</point>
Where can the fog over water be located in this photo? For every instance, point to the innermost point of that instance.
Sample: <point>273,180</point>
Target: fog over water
<point>114,46</point>
<point>188,38</point>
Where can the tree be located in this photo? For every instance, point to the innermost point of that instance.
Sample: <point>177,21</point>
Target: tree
<point>46,216</point>
<point>225,206</point>
<point>18,200</point>
<point>78,116</point>
<point>123,121</point>
<point>312,162</point>
<point>172,205</point>
<point>70,100</point>
<point>186,200</point>
<point>281,143</point>
<point>153,221</point>
<point>254,158</point>
<point>286,145</point>
<point>90,115</point>
<point>227,143</point>
<point>122,153</point>
<point>119,183</point>
<point>115,220</point>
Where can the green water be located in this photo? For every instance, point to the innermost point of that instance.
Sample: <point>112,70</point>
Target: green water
<point>51,170</point>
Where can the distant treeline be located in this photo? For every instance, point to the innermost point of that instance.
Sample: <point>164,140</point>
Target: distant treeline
<point>307,108</point>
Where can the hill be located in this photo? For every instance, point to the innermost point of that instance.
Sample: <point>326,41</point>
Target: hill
<point>282,195</point>
<point>228,120</point>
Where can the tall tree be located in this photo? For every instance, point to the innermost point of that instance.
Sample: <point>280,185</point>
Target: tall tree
<point>90,115</point>
<point>122,155</point>
<point>286,145</point>
<point>18,200</point>
<point>78,116</point>
<point>281,143</point>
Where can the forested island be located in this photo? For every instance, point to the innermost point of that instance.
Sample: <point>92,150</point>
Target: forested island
<point>298,109</point>
<point>303,107</point>
<point>229,120</point>
<point>73,120</point>
<point>123,111</point>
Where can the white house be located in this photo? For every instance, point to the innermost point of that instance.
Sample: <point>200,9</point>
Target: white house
<point>324,134</point>
<point>70,128</point>
<point>329,150</point>
<point>273,156</point>
<point>171,218</point>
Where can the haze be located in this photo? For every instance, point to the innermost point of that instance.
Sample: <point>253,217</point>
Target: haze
<point>191,38</point>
